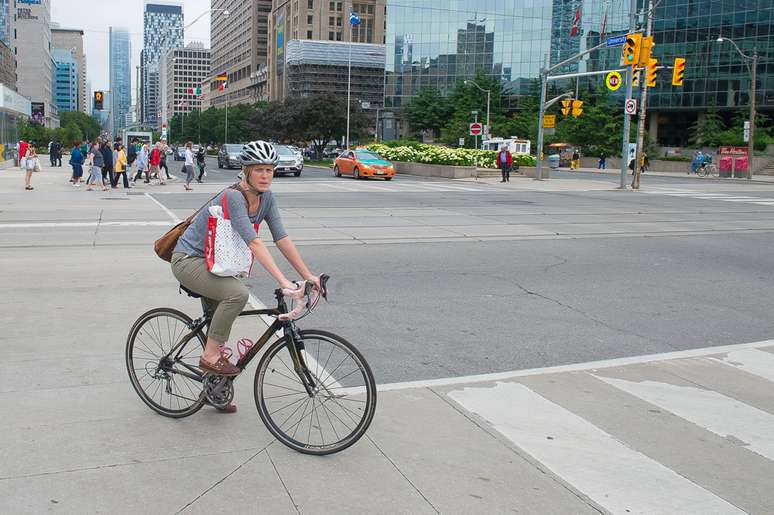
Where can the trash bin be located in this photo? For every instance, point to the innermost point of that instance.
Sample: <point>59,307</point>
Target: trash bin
<point>726,164</point>
<point>553,161</point>
<point>740,166</point>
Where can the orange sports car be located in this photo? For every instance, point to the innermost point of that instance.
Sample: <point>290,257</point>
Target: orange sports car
<point>361,164</point>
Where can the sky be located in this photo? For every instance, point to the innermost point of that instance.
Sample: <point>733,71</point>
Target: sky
<point>82,14</point>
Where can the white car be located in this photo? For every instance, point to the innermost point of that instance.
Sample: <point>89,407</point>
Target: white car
<point>290,161</point>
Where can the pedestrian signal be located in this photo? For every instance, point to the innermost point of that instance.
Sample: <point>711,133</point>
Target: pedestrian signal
<point>678,72</point>
<point>98,100</point>
<point>645,50</point>
<point>566,107</point>
<point>631,49</point>
<point>636,78</point>
<point>577,108</point>
<point>652,68</point>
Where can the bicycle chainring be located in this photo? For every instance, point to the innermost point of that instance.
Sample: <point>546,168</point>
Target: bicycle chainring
<point>219,390</point>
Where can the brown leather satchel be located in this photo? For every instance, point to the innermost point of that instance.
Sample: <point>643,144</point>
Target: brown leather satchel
<point>165,245</point>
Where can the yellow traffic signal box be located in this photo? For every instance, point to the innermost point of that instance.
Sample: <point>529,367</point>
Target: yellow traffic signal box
<point>646,48</point>
<point>652,68</point>
<point>577,108</point>
<point>566,107</point>
<point>678,72</point>
<point>631,49</point>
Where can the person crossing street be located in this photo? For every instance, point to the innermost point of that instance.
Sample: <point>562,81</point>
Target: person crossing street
<point>505,162</point>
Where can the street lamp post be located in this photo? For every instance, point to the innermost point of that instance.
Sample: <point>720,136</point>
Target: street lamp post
<point>752,68</point>
<point>488,97</point>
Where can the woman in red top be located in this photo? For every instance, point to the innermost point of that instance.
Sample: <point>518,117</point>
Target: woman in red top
<point>155,160</point>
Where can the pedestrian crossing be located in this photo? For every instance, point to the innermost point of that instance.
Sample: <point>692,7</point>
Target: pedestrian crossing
<point>722,197</point>
<point>689,435</point>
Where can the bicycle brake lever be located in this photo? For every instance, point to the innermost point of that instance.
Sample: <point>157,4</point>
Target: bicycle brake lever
<point>323,288</point>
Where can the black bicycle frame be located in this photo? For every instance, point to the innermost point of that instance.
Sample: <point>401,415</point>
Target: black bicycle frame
<point>295,344</point>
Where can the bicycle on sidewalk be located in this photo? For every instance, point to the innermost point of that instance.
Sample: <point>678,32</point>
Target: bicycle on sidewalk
<point>314,391</point>
<point>707,169</point>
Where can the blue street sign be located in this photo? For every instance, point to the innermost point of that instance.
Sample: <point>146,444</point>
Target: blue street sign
<point>616,41</point>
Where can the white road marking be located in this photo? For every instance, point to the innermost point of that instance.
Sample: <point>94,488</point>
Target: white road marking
<point>710,410</point>
<point>591,365</point>
<point>613,475</point>
<point>338,187</point>
<point>172,215</point>
<point>34,225</point>
<point>753,361</point>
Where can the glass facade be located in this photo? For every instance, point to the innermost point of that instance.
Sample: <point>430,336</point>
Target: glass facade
<point>163,30</point>
<point>65,80</point>
<point>120,76</point>
<point>437,43</point>
<point>715,73</point>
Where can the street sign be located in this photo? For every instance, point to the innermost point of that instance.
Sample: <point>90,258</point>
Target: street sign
<point>476,129</point>
<point>615,41</point>
<point>630,107</point>
<point>549,121</point>
<point>462,142</point>
<point>747,131</point>
<point>613,81</point>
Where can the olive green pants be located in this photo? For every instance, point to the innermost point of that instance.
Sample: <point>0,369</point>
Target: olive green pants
<point>224,296</point>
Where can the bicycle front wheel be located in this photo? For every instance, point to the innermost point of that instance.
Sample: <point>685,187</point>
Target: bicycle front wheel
<point>168,383</point>
<point>339,411</point>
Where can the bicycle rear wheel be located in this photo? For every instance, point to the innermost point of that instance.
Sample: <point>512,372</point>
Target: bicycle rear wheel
<point>166,383</point>
<point>336,415</point>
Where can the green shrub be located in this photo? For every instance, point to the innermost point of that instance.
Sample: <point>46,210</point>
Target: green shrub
<point>674,158</point>
<point>437,155</point>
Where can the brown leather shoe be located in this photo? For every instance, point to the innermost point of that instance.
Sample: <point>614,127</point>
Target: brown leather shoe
<point>222,367</point>
<point>230,408</point>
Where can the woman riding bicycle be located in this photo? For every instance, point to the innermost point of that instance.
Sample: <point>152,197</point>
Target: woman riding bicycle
<point>249,203</point>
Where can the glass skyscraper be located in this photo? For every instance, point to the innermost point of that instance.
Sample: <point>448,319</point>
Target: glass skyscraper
<point>65,80</point>
<point>438,43</point>
<point>120,76</point>
<point>163,30</point>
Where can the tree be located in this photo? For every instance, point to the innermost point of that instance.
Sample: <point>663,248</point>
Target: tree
<point>705,132</point>
<point>429,111</point>
<point>324,117</point>
<point>88,125</point>
<point>466,98</point>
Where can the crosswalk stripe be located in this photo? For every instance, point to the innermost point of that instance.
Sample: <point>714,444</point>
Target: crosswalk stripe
<point>710,410</point>
<point>616,477</point>
<point>753,361</point>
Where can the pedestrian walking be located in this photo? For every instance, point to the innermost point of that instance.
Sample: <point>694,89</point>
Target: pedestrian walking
<point>31,163</point>
<point>96,160</point>
<point>53,149</point>
<point>575,163</point>
<point>602,161</point>
<point>189,165</point>
<point>645,163</point>
<point>142,164</point>
<point>505,161</point>
<point>155,160</point>
<point>107,167</point>
<point>22,154</point>
<point>76,161</point>
<point>120,166</point>
<point>163,159</point>
<point>201,162</point>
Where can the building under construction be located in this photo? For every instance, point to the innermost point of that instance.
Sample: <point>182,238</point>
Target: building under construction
<point>320,67</point>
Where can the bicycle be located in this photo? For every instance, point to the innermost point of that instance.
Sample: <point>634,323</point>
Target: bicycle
<point>708,169</point>
<point>324,395</point>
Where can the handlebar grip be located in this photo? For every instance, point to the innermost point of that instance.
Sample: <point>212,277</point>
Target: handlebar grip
<point>323,282</point>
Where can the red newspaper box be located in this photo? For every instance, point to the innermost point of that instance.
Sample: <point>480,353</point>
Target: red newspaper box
<point>740,166</point>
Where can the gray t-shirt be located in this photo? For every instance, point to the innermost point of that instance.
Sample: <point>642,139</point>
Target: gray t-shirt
<point>99,159</point>
<point>192,241</point>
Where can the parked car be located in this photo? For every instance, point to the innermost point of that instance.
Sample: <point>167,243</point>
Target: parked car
<point>180,153</point>
<point>361,164</point>
<point>289,161</point>
<point>228,156</point>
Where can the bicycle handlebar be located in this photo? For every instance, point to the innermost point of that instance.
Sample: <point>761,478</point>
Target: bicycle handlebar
<point>304,297</point>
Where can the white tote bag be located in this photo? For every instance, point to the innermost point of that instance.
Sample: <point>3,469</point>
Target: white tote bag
<point>226,253</point>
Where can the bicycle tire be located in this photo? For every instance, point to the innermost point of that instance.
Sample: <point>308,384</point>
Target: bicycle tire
<point>137,382</point>
<point>290,440</point>
<point>712,170</point>
<point>702,171</point>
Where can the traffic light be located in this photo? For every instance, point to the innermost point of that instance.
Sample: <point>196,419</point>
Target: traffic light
<point>631,49</point>
<point>678,72</point>
<point>652,67</point>
<point>636,78</point>
<point>98,98</point>
<point>566,107</point>
<point>646,47</point>
<point>577,108</point>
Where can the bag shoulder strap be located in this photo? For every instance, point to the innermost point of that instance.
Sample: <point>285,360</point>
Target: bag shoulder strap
<point>224,200</point>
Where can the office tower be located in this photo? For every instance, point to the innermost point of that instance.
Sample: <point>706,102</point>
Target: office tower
<point>120,76</point>
<point>162,31</point>
<point>72,40</point>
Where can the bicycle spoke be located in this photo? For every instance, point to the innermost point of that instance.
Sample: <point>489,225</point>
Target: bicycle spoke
<point>284,388</point>
<point>346,376</point>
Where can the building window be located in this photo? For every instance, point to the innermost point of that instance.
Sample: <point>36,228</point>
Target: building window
<point>338,36</point>
<point>308,34</point>
<point>332,6</point>
<point>338,6</point>
<point>338,21</point>
<point>309,19</point>
<point>331,21</point>
<point>310,4</point>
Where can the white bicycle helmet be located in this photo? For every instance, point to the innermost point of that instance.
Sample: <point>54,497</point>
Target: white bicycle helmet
<point>258,153</point>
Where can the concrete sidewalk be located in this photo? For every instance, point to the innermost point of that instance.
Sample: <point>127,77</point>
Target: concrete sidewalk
<point>689,432</point>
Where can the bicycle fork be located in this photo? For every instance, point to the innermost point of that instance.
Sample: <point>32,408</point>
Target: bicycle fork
<point>295,346</point>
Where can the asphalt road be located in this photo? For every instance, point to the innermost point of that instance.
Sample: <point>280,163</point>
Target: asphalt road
<point>421,310</point>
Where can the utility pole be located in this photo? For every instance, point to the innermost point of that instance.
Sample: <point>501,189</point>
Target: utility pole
<point>541,114</point>
<point>751,140</point>
<point>627,121</point>
<point>643,108</point>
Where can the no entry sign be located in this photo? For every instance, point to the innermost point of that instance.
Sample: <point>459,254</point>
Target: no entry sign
<point>476,129</point>
<point>613,81</point>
